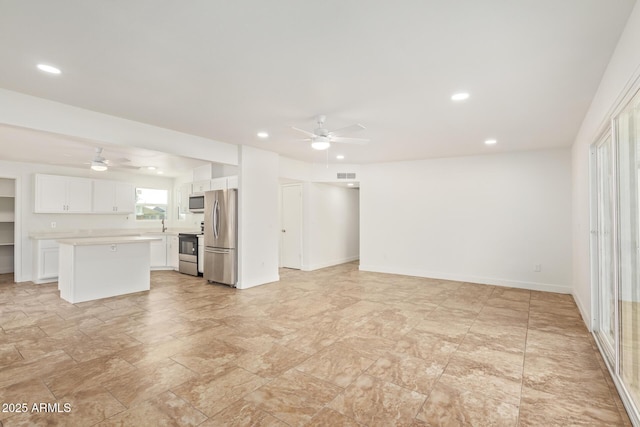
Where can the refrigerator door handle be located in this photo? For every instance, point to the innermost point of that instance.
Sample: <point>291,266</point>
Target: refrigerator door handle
<point>214,214</point>
<point>213,219</point>
<point>217,251</point>
<point>217,218</point>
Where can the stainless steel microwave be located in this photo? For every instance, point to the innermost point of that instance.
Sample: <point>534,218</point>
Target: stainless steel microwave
<point>196,203</point>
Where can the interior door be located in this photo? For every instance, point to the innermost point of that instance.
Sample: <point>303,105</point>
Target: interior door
<point>291,231</point>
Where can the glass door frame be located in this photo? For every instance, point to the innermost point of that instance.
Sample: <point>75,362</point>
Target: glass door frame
<point>609,350</point>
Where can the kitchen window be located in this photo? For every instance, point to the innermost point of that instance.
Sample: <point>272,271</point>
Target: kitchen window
<point>151,204</point>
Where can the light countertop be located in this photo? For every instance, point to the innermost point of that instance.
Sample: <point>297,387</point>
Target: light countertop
<point>77,234</point>
<point>107,240</point>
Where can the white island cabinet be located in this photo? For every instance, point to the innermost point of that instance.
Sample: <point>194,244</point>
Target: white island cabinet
<point>102,267</point>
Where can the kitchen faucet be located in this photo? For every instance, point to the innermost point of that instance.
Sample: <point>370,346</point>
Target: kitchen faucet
<point>163,227</point>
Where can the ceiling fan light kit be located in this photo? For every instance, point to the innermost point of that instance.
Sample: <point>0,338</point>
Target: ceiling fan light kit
<point>321,143</point>
<point>99,164</point>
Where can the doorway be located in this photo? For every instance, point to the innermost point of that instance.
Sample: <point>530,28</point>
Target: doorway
<point>291,226</point>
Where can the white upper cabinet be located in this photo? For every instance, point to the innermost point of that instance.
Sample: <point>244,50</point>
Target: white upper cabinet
<point>219,184</point>
<point>184,191</point>
<point>113,197</point>
<point>201,186</point>
<point>232,181</point>
<point>67,194</point>
<point>62,194</point>
<point>224,183</point>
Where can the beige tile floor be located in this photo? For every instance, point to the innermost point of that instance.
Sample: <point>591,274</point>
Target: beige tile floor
<point>327,348</point>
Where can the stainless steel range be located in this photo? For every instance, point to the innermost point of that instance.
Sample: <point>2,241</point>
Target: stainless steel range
<point>188,253</point>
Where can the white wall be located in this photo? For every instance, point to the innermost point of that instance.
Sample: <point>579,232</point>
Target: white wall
<point>258,217</point>
<point>619,79</point>
<point>296,170</point>
<point>484,219</point>
<point>327,173</point>
<point>330,225</point>
<point>29,222</point>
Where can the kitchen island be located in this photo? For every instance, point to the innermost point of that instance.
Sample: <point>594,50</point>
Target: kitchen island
<point>101,267</point>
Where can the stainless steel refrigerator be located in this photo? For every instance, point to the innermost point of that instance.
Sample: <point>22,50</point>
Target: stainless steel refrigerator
<point>221,236</point>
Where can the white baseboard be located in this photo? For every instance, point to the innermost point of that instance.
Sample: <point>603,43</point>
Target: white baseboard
<point>162,268</point>
<point>47,280</point>
<point>329,263</point>
<point>584,313</point>
<point>251,284</point>
<point>533,286</point>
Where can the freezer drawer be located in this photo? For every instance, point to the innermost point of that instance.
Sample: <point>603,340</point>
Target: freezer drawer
<point>220,265</point>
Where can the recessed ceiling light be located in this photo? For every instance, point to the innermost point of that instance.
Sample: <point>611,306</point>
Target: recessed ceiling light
<point>460,96</point>
<point>159,172</point>
<point>151,168</point>
<point>48,69</point>
<point>339,157</point>
<point>263,135</point>
<point>350,184</point>
<point>490,141</point>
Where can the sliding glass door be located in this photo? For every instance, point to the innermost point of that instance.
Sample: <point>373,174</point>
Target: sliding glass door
<point>616,250</point>
<point>604,243</point>
<point>627,126</point>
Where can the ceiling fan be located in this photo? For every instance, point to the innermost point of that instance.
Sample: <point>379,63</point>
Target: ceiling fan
<point>100,164</point>
<point>321,137</point>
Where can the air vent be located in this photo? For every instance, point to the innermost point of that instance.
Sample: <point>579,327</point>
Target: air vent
<point>346,175</point>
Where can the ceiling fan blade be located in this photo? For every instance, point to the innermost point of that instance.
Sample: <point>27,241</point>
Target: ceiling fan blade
<point>347,129</point>
<point>306,132</point>
<point>360,141</point>
<point>119,166</point>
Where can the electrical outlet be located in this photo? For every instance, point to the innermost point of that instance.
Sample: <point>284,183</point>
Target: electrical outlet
<point>537,268</point>
<point>114,248</point>
<point>53,224</point>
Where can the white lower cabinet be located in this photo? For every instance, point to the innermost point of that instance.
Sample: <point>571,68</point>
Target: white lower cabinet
<point>164,256</point>
<point>200,254</point>
<point>173,251</point>
<point>164,253</point>
<point>46,256</point>
<point>159,252</point>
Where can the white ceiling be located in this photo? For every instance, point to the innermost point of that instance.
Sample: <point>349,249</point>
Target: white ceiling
<point>228,69</point>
